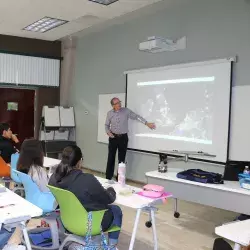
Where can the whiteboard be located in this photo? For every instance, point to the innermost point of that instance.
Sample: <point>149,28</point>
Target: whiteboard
<point>240,121</point>
<point>67,117</point>
<point>51,116</point>
<point>239,149</point>
<point>104,107</point>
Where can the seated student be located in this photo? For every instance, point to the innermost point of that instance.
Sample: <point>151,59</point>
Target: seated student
<point>87,189</point>
<point>7,141</point>
<point>31,162</point>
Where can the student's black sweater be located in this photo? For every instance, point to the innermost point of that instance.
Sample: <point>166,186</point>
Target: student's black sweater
<point>89,191</point>
<point>6,149</point>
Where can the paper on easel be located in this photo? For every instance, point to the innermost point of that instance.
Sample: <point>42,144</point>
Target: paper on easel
<point>51,116</point>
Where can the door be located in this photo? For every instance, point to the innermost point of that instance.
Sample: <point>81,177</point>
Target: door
<point>17,109</point>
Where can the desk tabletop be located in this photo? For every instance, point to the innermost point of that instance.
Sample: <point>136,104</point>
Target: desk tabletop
<point>13,205</point>
<point>133,200</point>
<point>50,162</point>
<point>238,232</point>
<point>229,186</point>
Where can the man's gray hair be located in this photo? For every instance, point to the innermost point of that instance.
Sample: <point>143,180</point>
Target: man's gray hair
<point>112,100</point>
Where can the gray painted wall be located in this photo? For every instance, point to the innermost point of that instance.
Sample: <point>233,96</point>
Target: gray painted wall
<point>214,29</point>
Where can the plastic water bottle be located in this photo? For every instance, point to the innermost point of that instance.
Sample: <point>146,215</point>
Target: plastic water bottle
<point>246,170</point>
<point>122,174</point>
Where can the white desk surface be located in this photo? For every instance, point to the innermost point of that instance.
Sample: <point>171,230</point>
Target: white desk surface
<point>133,201</point>
<point>238,232</point>
<point>50,162</point>
<point>20,208</point>
<point>228,186</point>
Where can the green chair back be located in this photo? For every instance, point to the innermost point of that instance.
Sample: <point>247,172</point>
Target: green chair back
<point>73,215</point>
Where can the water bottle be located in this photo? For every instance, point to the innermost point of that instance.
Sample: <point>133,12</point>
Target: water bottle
<point>246,170</point>
<point>122,174</point>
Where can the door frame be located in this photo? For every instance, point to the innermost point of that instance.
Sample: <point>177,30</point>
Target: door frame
<point>5,86</point>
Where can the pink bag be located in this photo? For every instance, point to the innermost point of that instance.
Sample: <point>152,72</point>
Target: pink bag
<point>152,191</point>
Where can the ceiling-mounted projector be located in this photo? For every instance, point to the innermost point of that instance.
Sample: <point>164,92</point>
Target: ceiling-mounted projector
<point>158,44</point>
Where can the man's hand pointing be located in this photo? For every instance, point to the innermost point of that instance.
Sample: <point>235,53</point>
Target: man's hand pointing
<point>150,125</point>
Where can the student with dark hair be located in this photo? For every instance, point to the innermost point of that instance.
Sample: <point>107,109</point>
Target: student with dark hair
<point>87,189</point>
<point>31,162</point>
<point>7,142</point>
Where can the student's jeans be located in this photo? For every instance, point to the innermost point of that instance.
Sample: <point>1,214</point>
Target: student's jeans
<point>117,221</point>
<point>4,237</point>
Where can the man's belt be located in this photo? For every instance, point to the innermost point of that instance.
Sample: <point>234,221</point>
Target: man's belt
<point>118,135</point>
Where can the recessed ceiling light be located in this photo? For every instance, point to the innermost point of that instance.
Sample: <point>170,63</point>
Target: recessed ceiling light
<point>104,2</point>
<point>45,24</point>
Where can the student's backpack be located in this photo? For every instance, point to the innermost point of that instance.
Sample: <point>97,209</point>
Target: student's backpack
<point>199,175</point>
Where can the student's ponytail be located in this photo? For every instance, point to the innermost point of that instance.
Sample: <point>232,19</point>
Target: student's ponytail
<point>70,157</point>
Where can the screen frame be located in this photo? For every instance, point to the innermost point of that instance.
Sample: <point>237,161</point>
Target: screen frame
<point>231,60</point>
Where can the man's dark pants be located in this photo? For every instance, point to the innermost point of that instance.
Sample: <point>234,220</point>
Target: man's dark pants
<point>119,142</point>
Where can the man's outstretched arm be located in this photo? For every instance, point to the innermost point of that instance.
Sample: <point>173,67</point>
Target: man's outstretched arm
<point>134,116</point>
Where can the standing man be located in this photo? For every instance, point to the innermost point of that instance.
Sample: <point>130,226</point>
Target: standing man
<point>7,141</point>
<point>116,127</point>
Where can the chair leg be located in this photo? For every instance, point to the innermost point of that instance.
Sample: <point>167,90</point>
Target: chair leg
<point>137,218</point>
<point>54,231</point>
<point>152,212</point>
<point>237,246</point>
<point>52,222</point>
<point>7,184</point>
<point>72,238</point>
<point>18,189</point>
<point>26,236</point>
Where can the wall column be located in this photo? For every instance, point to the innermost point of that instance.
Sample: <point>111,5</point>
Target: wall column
<point>67,69</point>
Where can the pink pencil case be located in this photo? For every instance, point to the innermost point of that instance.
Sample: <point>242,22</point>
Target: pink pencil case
<point>152,191</point>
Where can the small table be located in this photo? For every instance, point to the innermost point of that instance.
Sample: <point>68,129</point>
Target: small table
<point>237,232</point>
<point>136,202</point>
<point>214,195</point>
<point>50,162</point>
<point>15,211</point>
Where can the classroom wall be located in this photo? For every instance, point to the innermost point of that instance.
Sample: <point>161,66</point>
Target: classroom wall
<point>40,48</point>
<point>28,46</point>
<point>214,29</point>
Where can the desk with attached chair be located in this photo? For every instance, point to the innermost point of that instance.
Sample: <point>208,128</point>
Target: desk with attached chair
<point>46,202</point>
<point>141,204</point>
<point>237,232</point>
<point>16,211</point>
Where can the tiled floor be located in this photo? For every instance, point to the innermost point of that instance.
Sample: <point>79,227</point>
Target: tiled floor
<point>194,230</point>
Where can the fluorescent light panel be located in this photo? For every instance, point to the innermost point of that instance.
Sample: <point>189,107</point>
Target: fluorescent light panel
<point>45,24</point>
<point>104,2</point>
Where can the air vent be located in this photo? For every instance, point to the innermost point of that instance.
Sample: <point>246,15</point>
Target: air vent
<point>87,19</point>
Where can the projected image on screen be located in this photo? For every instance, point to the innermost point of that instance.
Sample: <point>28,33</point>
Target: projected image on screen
<point>186,118</point>
<point>189,103</point>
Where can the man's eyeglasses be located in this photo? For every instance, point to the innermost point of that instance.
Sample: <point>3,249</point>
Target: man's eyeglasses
<point>117,103</point>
